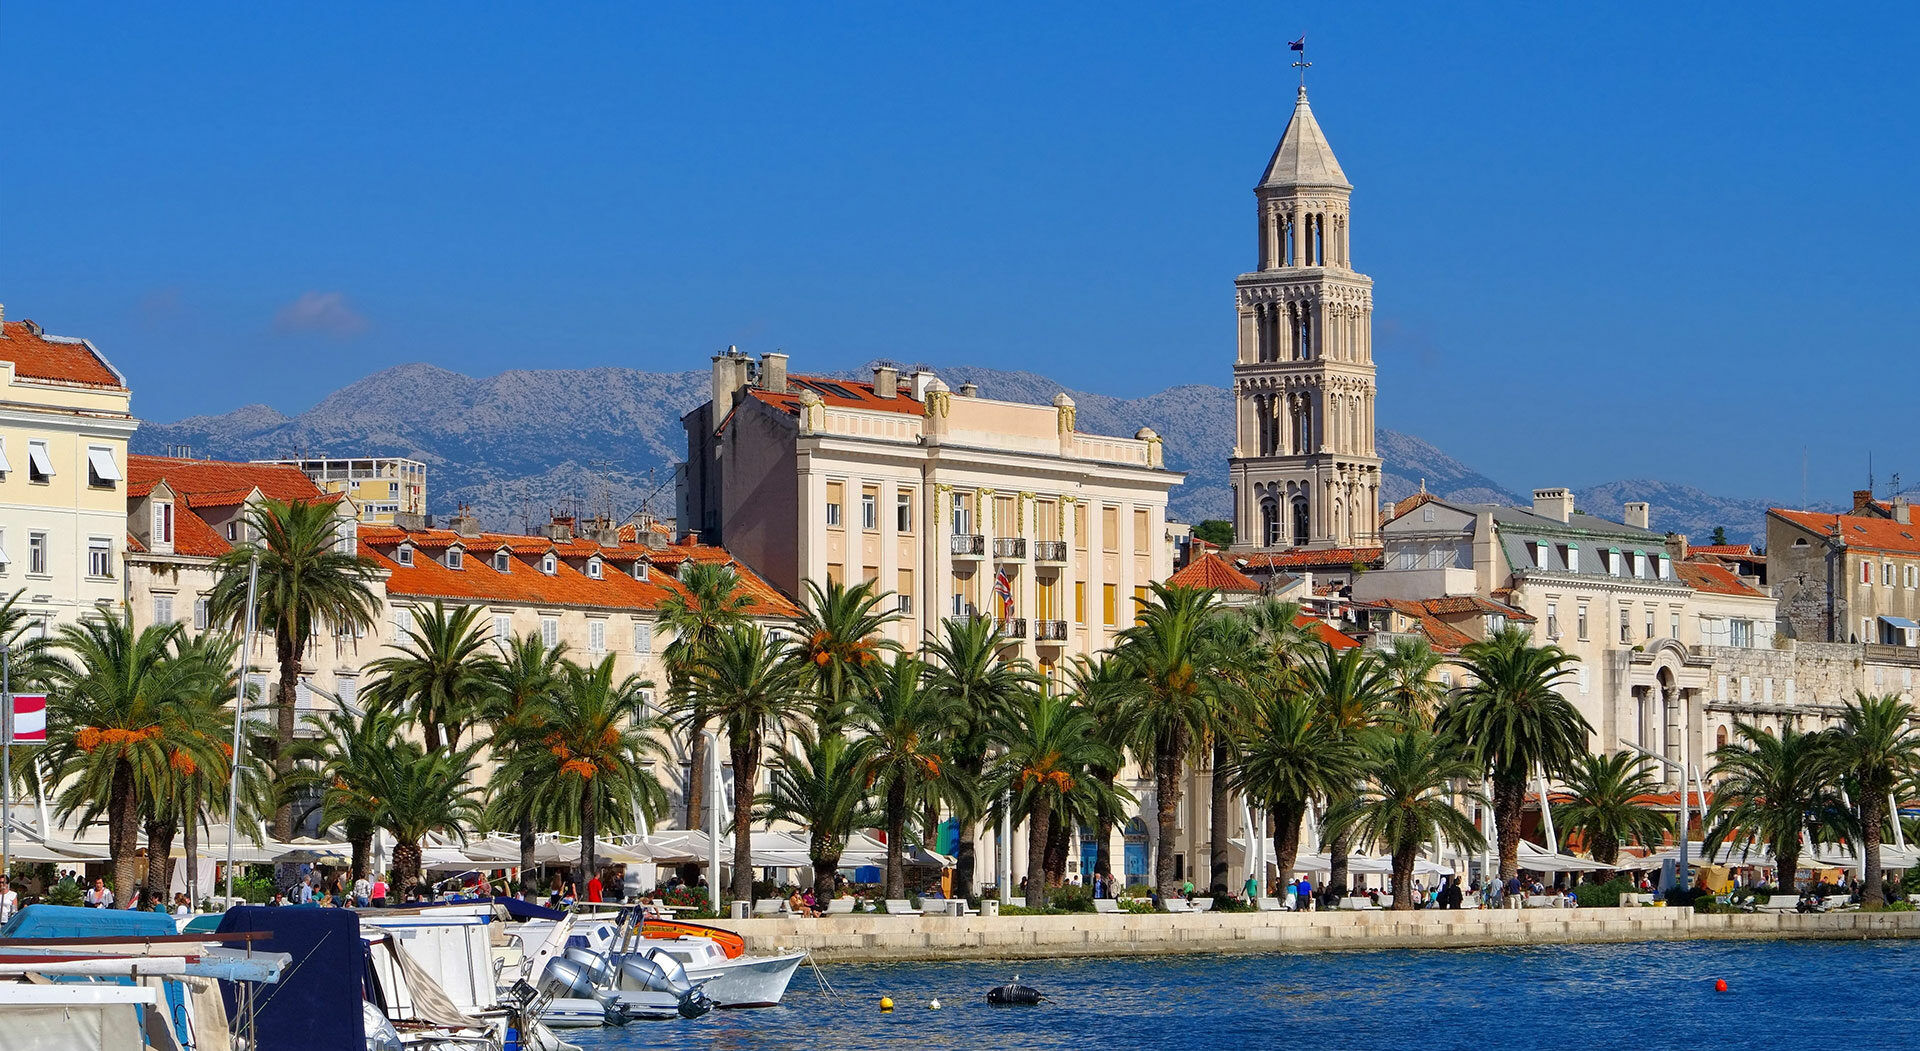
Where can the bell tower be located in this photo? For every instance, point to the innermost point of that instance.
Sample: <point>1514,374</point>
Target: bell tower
<point>1303,471</point>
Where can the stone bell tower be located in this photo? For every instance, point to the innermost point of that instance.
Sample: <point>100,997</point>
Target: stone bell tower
<point>1304,473</point>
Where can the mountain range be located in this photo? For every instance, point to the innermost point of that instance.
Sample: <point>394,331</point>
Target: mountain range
<point>523,444</point>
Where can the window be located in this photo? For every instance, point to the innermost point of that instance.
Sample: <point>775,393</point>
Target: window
<point>1110,529</point>
<point>456,558</point>
<point>962,515</point>
<point>37,553</point>
<point>593,567</point>
<point>836,573</point>
<point>1540,550</point>
<point>500,560</point>
<point>1580,622</point>
<point>402,622</point>
<point>1649,624</point>
<point>503,627</point>
<point>1080,601</point>
<point>903,512</point>
<point>549,564</point>
<point>6,467</point>
<point>39,462</point>
<point>1740,633</point>
<point>1886,573</point>
<point>200,617</point>
<point>1109,601</point>
<point>1573,561</point>
<point>1613,562</point>
<point>393,488</point>
<point>1866,572</point>
<point>163,609</point>
<point>869,510</point>
<point>1662,567</point>
<point>643,636</point>
<point>233,531</point>
<point>403,555</point>
<point>639,569</point>
<point>1553,620</point>
<point>1673,626</point>
<point>903,587</point>
<point>596,636</point>
<point>549,632</point>
<point>1141,532</point>
<point>99,557</point>
<point>1626,624</point>
<point>163,522</point>
<point>1139,603</point>
<point>5,559</point>
<point>835,494</point>
<point>102,472</point>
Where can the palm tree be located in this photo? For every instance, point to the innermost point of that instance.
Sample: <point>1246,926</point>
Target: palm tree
<point>200,758</point>
<point>1774,788</point>
<point>417,792</point>
<point>441,674</point>
<point>1406,801</point>
<point>840,647</point>
<point>1350,690</point>
<point>525,678</point>
<point>747,684</point>
<point>1410,667</point>
<point>1512,719</point>
<point>1291,755</point>
<point>1872,750</point>
<point>969,671</point>
<point>345,756</point>
<point>819,787</point>
<point>1172,686</point>
<point>708,603</point>
<point>309,575</point>
<point>587,752</point>
<point>904,760</point>
<point>1603,808</point>
<point>119,716</point>
<point>1092,687</point>
<point>201,788</point>
<point>1048,746</point>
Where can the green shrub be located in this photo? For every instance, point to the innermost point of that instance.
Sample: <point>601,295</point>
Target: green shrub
<point>1602,895</point>
<point>65,892</point>
<point>253,889</point>
<point>1137,906</point>
<point>689,897</point>
<point>1071,899</point>
<point>1136,890</point>
<point>1229,903</point>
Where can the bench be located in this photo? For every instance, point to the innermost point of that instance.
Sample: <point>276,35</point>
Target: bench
<point>943,906</point>
<point>771,907</point>
<point>840,907</point>
<point>1543,901</point>
<point>1779,903</point>
<point>900,907</point>
<point>1356,904</point>
<point>1201,904</point>
<point>1836,902</point>
<point>1107,905</point>
<point>1268,905</point>
<point>1178,905</point>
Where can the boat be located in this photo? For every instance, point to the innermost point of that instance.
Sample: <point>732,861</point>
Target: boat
<point>732,981</point>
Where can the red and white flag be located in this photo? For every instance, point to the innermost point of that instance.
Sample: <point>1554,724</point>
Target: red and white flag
<point>29,718</point>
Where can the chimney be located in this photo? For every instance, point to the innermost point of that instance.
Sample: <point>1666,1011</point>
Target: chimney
<point>3,321</point>
<point>1677,546</point>
<point>729,378</point>
<point>969,390</point>
<point>411,522</point>
<point>1862,498</point>
<point>560,530</point>
<point>773,372</point>
<point>919,382</point>
<point>1638,514</point>
<point>1553,503</point>
<point>886,381</point>
<point>464,522</point>
<point>1902,511</point>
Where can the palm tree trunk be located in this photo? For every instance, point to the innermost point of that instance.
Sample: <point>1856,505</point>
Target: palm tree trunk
<point>1286,837</point>
<point>696,767</point>
<point>160,858</point>
<point>190,836</point>
<point>1166,780</point>
<point>527,861</point>
<point>1872,812</point>
<point>287,649</point>
<point>1037,820</point>
<point>123,832</point>
<point>743,776</point>
<point>431,729</point>
<point>406,867</point>
<point>1786,859</point>
<point>362,847</point>
<point>967,852</point>
<point>1220,809</point>
<point>1103,830</point>
<point>589,831</point>
<point>896,838</point>
<point>1509,798</point>
<point>1403,855</point>
<point>825,864</point>
<point>1337,850</point>
<point>1059,838</point>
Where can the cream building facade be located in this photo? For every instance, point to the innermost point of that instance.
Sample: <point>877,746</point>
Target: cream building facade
<point>957,505</point>
<point>1304,470</point>
<point>382,487</point>
<point>65,417</point>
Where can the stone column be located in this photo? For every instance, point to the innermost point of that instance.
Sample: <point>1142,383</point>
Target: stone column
<point>1248,408</point>
<point>1249,334</point>
<point>1270,230</point>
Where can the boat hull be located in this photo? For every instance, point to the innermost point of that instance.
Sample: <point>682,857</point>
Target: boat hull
<point>749,981</point>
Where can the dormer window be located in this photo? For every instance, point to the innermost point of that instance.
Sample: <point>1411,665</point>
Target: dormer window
<point>500,559</point>
<point>456,558</point>
<point>163,521</point>
<point>403,555</point>
<point>549,564</point>
<point>593,567</point>
<point>639,570</point>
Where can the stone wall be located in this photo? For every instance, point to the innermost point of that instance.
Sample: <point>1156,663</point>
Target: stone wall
<point>1805,682</point>
<point>898,938</point>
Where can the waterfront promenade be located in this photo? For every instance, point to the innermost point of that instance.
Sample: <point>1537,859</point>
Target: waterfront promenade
<point>880,938</point>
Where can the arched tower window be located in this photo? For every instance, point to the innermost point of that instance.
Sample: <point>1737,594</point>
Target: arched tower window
<point>1269,523</point>
<point>1302,522</point>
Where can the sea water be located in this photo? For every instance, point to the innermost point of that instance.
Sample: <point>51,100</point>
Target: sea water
<point>1642,997</point>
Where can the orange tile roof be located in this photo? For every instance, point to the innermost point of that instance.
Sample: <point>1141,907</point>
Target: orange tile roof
<point>1740,550</point>
<point>1440,635</point>
<point>1878,534</point>
<point>1454,604</point>
<point>1308,557</point>
<point>863,397</point>
<point>1327,633</point>
<point>1213,572</point>
<point>1714,579</point>
<point>36,355</point>
<point>213,482</point>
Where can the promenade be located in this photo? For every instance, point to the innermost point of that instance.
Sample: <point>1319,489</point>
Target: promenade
<point>896,938</point>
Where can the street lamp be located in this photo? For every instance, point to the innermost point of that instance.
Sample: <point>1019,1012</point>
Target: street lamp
<point>1684,774</point>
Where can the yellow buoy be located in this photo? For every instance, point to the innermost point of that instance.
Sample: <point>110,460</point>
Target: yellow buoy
<point>886,1003</point>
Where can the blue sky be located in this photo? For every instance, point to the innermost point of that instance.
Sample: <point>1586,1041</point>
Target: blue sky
<point>1675,244</point>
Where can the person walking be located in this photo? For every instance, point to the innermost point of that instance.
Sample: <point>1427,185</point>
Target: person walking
<point>1252,888</point>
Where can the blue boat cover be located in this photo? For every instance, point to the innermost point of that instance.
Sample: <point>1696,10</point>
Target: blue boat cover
<point>316,1003</point>
<point>525,910</point>
<point>67,921</point>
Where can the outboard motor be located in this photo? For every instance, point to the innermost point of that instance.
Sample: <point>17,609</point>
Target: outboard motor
<point>580,975</point>
<point>1022,995</point>
<point>657,971</point>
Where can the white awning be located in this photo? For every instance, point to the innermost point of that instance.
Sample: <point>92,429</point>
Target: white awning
<point>4,464</point>
<point>37,454</point>
<point>101,460</point>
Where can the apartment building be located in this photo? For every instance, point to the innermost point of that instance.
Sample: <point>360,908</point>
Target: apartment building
<point>64,427</point>
<point>1847,577</point>
<point>382,487</point>
<point>957,505</point>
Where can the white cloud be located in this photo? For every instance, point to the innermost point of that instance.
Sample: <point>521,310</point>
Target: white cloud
<point>326,313</point>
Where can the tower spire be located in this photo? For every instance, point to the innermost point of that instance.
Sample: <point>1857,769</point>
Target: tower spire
<point>1301,63</point>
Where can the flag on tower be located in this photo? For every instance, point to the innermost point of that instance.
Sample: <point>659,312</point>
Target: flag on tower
<point>1003,590</point>
<point>1299,45</point>
<point>27,716</point>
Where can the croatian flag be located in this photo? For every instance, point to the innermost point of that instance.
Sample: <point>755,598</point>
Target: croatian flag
<point>1300,44</point>
<point>29,721</point>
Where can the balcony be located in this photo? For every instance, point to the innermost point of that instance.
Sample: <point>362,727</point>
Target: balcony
<point>968,545</point>
<point>1013,627</point>
<point>1050,631</point>
<point>1009,547</point>
<point>1054,551</point>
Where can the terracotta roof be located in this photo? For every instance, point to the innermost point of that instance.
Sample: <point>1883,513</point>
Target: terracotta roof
<point>1327,633</point>
<point>36,355</point>
<point>1878,534</point>
<point>1440,635</point>
<point>193,536</point>
<point>215,482</point>
<point>1740,550</point>
<point>1453,604</point>
<point>1714,579</point>
<point>1212,571</point>
<point>134,546</point>
<point>1305,557</point>
<point>838,394</point>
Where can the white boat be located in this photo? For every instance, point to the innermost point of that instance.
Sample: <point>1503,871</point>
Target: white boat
<point>741,981</point>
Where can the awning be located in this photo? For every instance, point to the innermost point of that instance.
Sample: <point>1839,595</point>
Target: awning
<point>101,460</point>
<point>37,455</point>
<point>1900,622</point>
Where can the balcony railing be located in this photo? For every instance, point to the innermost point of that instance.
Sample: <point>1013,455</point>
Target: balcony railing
<point>1009,547</point>
<point>968,545</point>
<point>1049,550</point>
<point>1013,627</point>
<point>1050,630</point>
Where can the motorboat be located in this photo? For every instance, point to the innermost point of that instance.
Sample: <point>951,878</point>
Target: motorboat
<point>731,981</point>
<point>571,964</point>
